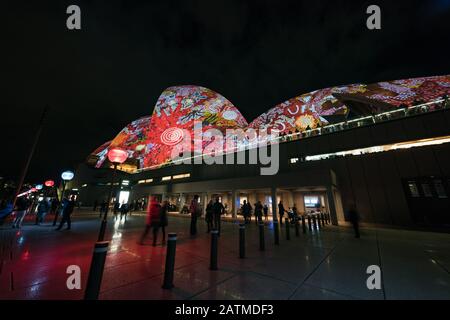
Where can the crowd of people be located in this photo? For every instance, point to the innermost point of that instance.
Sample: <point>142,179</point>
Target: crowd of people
<point>157,213</point>
<point>40,207</point>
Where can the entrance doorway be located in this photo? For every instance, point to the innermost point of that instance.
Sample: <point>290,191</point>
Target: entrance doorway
<point>124,196</point>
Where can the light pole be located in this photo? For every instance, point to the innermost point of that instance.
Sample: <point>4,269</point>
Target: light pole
<point>116,156</point>
<point>66,176</point>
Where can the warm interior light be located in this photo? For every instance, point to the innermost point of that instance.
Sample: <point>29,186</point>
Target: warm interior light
<point>383,148</point>
<point>182,176</point>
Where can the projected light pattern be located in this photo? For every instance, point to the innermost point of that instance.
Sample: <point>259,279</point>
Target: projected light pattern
<point>172,136</point>
<point>150,140</point>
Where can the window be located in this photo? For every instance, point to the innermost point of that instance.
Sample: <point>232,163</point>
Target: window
<point>182,176</point>
<point>167,178</point>
<point>294,160</point>
<point>311,201</point>
<point>125,182</point>
<point>440,190</point>
<point>426,190</point>
<point>413,189</point>
<point>145,181</point>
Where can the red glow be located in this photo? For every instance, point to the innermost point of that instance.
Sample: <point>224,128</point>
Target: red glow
<point>117,155</point>
<point>49,183</point>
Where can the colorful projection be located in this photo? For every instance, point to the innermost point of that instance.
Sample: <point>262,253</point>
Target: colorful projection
<point>408,92</point>
<point>304,112</point>
<point>150,140</point>
<point>178,109</point>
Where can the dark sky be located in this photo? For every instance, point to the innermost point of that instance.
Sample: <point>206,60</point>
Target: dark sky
<point>255,53</point>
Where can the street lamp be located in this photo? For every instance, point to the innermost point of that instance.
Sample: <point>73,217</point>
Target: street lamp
<point>49,183</point>
<point>65,176</point>
<point>116,156</point>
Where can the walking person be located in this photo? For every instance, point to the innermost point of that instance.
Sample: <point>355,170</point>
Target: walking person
<point>258,212</point>
<point>246,211</point>
<point>354,219</point>
<point>54,206</point>
<point>266,212</point>
<point>116,209</point>
<point>95,205</point>
<point>294,214</point>
<point>153,221</point>
<point>124,211</point>
<point>103,208</point>
<point>20,210</point>
<point>209,215</point>
<point>194,209</point>
<point>42,210</point>
<point>218,211</point>
<point>281,211</point>
<point>164,221</point>
<point>67,209</point>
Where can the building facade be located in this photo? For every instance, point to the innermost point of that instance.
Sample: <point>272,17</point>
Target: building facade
<point>389,158</point>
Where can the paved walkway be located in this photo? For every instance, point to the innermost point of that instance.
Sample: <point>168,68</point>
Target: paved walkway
<point>328,264</point>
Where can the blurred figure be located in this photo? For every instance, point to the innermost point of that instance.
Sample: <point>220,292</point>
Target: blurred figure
<point>42,210</point>
<point>124,211</point>
<point>20,210</point>
<point>67,208</point>
<point>164,221</point>
<point>281,211</point>
<point>6,208</point>
<point>55,210</point>
<point>194,209</point>
<point>353,216</point>
<point>95,205</point>
<point>209,215</point>
<point>218,211</point>
<point>153,220</point>
<point>54,206</point>
<point>258,212</point>
<point>103,208</point>
<point>246,211</point>
<point>116,209</point>
<point>266,212</point>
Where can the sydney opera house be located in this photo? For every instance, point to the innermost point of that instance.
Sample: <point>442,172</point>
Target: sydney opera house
<point>382,147</point>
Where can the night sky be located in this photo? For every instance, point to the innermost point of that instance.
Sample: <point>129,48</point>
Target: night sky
<point>255,53</point>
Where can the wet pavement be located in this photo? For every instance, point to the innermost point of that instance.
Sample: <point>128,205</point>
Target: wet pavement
<point>325,264</point>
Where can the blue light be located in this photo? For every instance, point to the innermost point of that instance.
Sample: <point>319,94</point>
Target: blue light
<point>67,175</point>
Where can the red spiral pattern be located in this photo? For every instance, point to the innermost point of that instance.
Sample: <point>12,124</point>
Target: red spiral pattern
<point>172,136</point>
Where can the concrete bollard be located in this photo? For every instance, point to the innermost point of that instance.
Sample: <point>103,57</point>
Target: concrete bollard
<point>262,245</point>
<point>309,223</point>
<point>276,232</point>
<point>170,261</point>
<point>214,248</point>
<point>297,228</point>
<point>96,271</point>
<point>242,241</point>
<point>288,234</point>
